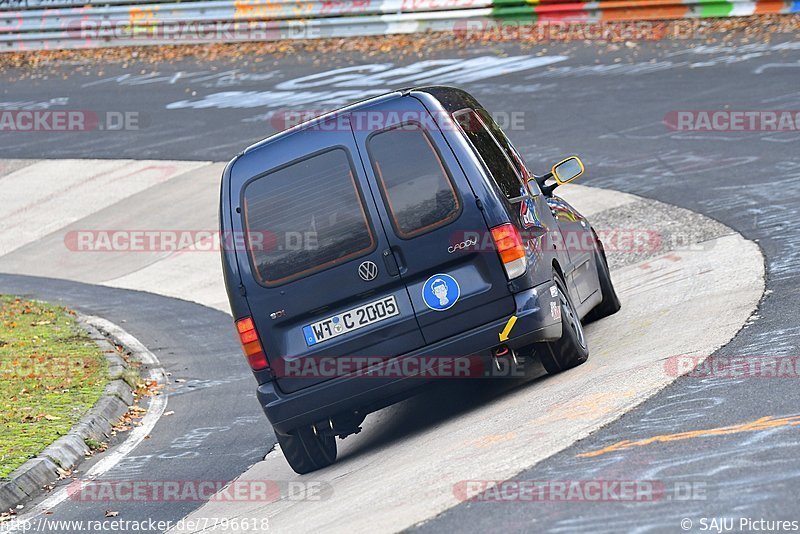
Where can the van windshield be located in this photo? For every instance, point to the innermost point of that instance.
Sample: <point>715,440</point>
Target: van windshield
<point>305,217</point>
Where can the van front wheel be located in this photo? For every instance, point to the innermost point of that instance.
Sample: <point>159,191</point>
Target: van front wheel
<point>307,450</point>
<point>610,304</point>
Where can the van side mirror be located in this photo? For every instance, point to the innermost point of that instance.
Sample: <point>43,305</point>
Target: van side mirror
<point>568,170</point>
<point>563,172</point>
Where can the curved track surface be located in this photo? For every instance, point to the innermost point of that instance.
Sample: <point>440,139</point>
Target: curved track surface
<point>608,107</point>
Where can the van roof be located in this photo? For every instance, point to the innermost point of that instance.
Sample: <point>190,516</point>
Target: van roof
<point>436,91</point>
<point>326,116</point>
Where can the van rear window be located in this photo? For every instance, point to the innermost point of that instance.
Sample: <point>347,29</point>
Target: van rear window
<point>415,186</point>
<point>305,217</point>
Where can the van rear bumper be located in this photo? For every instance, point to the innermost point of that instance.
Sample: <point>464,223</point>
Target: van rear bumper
<point>379,387</point>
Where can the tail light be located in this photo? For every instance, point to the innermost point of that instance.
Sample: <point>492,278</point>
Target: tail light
<point>509,246</point>
<point>251,344</point>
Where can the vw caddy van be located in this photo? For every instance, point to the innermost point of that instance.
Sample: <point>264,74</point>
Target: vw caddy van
<point>382,246</point>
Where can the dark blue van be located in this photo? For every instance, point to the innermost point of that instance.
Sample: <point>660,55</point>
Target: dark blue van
<point>390,243</point>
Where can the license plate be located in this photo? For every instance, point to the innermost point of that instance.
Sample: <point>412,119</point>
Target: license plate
<point>350,320</point>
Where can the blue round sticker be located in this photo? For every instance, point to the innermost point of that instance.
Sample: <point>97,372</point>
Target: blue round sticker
<point>440,292</point>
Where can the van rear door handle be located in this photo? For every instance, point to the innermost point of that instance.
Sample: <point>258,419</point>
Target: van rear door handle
<point>391,262</point>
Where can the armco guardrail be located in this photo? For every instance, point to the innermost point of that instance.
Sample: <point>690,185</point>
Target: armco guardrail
<point>63,24</point>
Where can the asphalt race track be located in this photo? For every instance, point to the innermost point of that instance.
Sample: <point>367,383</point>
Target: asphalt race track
<point>609,107</point>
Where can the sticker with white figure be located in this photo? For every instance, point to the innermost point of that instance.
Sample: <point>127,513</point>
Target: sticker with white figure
<point>440,292</point>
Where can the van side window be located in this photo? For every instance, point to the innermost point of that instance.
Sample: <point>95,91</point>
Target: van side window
<point>414,183</point>
<point>490,150</point>
<point>305,217</point>
<point>504,142</point>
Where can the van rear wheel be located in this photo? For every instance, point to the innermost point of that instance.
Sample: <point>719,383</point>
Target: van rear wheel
<point>571,350</point>
<point>306,450</point>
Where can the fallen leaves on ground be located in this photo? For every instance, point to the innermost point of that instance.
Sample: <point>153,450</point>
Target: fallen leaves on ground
<point>754,27</point>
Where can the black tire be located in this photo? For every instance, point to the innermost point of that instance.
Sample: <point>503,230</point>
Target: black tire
<point>571,350</point>
<point>306,450</point>
<point>610,304</point>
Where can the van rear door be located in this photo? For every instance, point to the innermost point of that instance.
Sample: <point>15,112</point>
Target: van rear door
<point>314,274</point>
<point>437,233</point>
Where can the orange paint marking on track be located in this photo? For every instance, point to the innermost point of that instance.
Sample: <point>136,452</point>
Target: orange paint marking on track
<point>764,423</point>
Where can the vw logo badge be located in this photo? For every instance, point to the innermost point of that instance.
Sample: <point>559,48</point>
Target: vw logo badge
<point>368,271</point>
